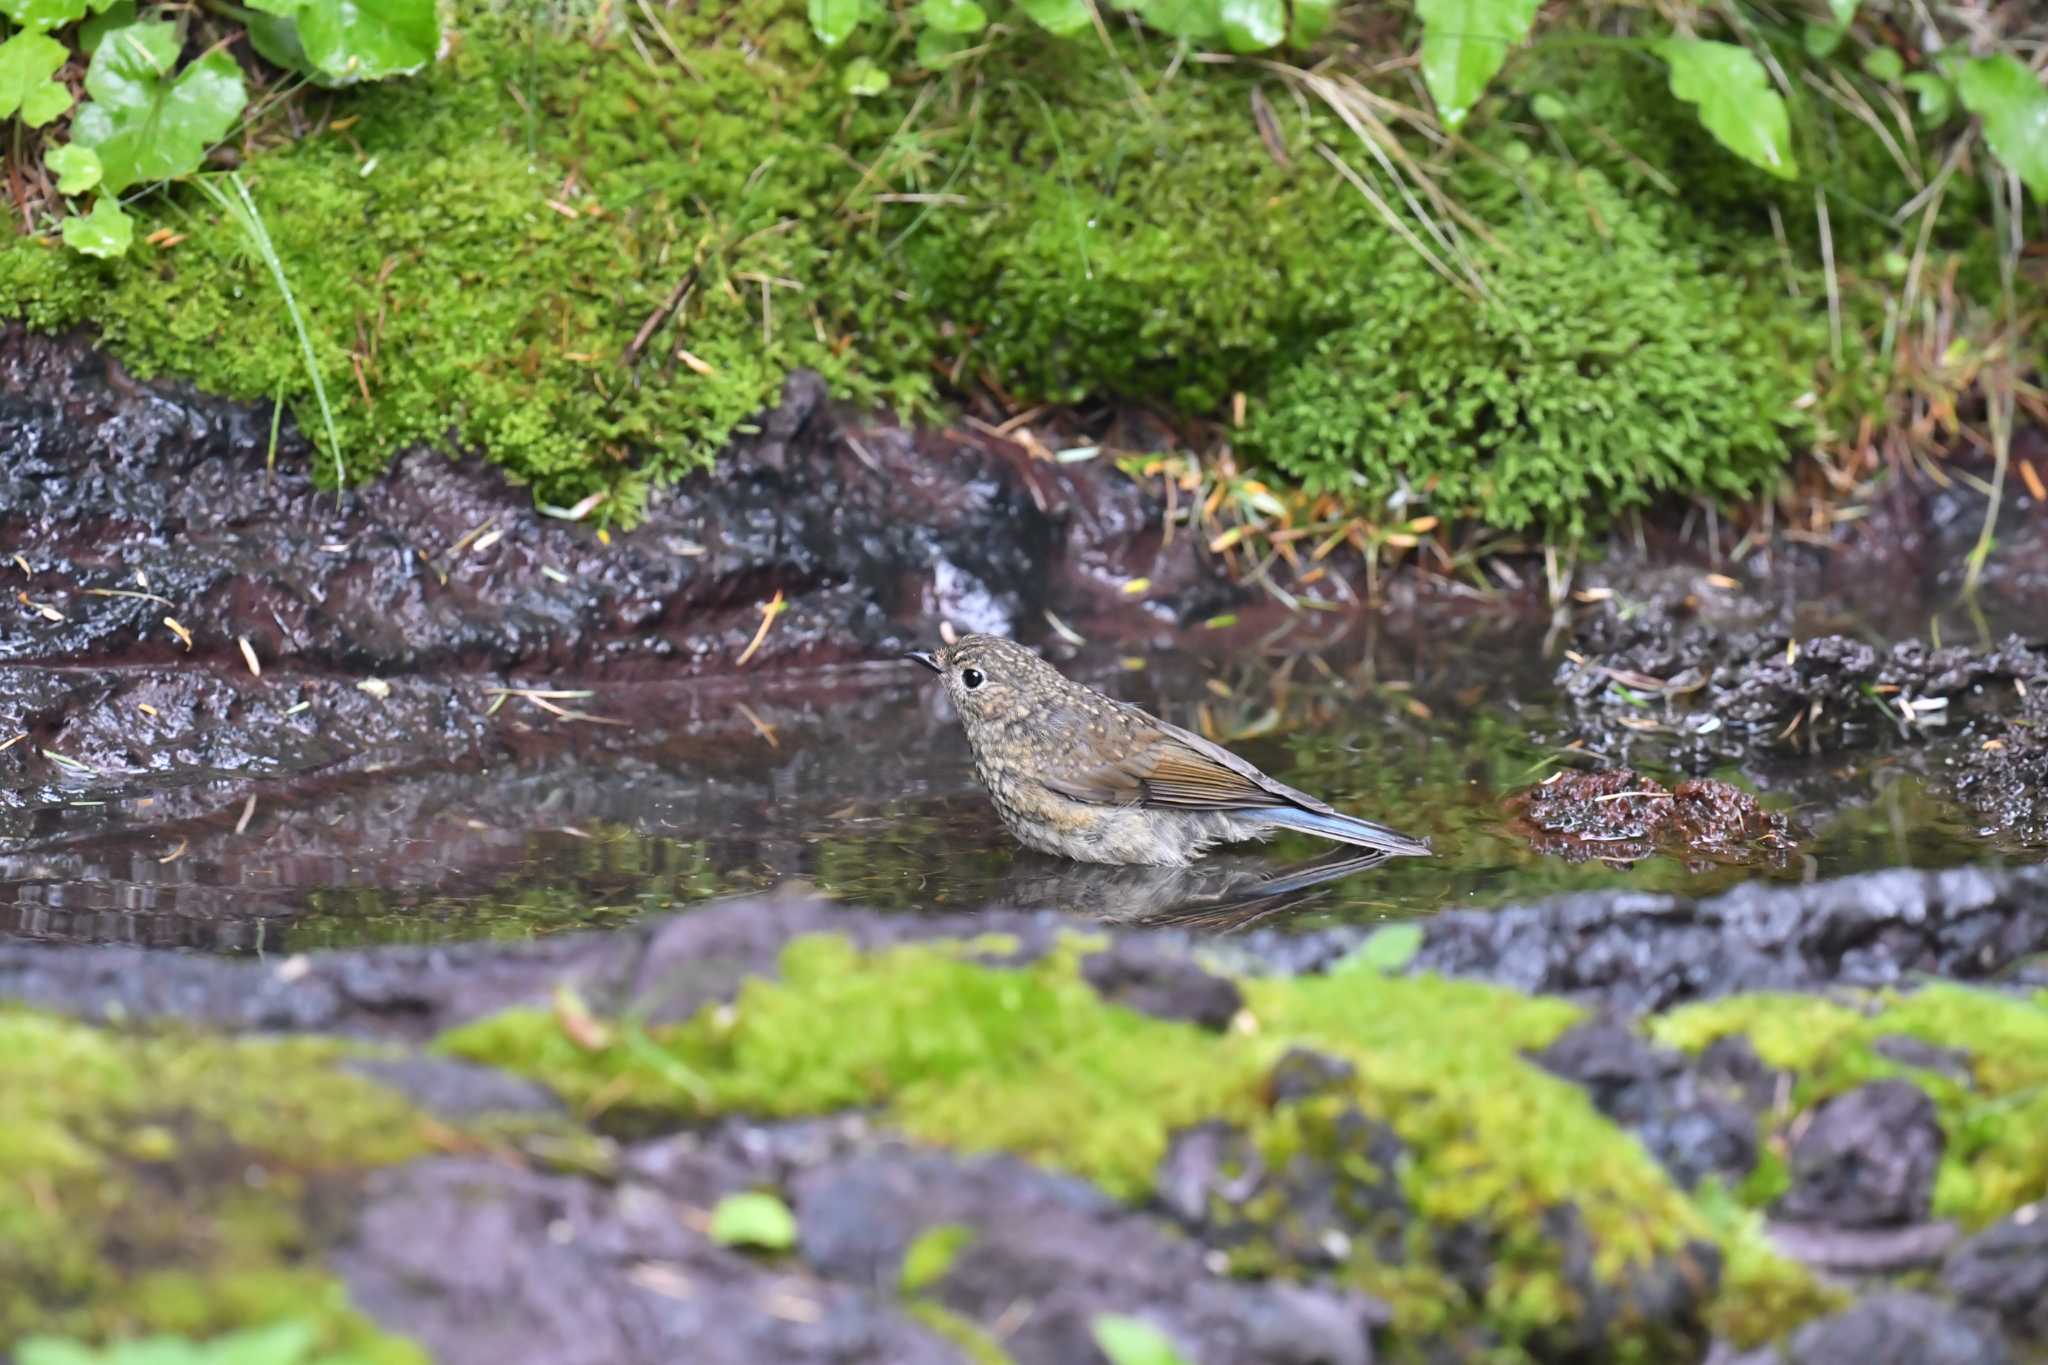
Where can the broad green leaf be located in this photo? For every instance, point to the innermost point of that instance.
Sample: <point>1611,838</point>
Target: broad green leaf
<point>2014,106</point>
<point>1844,11</point>
<point>1133,1341</point>
<point>1390,949</point>
<point>1464,43</point>
<point>120,14</point>
<point>1884,64</point>
<point>863,77</point>
<point>957,17</point>
<point>834,20</point>
<point>1311,21</point>
<point>753,1220</point>
<point>1063,17</point>
<point>145,125</point>
<point>1735,100</point>
<point>106,232</point>
<point>27,61</point>
<point>369,40</point>
<point>1253,25</point>
<point>40,16</point>
<point>1195,20</point>
<point>933,1254</point>
<point>1549,108</point>
<point>77,168</point>
<point>1937,97</point>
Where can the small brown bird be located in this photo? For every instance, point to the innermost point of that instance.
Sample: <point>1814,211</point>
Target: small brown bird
<point>1075,773</point>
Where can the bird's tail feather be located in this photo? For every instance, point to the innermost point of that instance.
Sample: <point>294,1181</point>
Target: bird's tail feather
<point>1348,829</point>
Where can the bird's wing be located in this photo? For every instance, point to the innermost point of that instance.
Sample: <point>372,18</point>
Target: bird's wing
<point>1176,769</point>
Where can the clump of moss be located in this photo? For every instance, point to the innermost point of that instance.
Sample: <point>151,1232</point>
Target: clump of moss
<point>156,1182</point>
<point>1603,367</point>
<point>1032,1061</point>
<point>1996,1121</point>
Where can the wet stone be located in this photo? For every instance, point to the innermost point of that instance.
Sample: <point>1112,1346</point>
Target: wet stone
<point>557,1270</point>
<point>2004,1270</point>
<point>1154,979</point>
<point>1302,1072</point>
<point>1866,1158</point>
<point>1693,1127</point>
<point>1897,1328</point>
<point>1067,1252</point>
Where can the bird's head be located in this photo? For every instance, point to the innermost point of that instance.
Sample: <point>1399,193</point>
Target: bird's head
<point>992,679</point>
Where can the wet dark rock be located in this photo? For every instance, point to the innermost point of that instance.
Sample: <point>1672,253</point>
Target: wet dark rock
<point>1865,1158</point>
<point>1302,1072</point>
<point>1342,1190</point>
<point>1667,1295</point>
<point>1643,951</point>
<point>1864,1251</point>
<point>456,1090</point>
<point>2000,770</point>
<point>1063,1252</point>
<point>869,535</point>
<point>1691,1126</point>
<point>1154,979</point>
<point>556,1270</point>
<point>2004,1270</point>
<point>1893,1327</point>
<point>1952,1062</point>
<point>1618,815</point>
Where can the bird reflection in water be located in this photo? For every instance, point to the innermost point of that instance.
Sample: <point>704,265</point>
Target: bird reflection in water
<point>1218,894</point>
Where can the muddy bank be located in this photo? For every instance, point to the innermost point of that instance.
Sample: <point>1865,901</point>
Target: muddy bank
<point>132,502</point>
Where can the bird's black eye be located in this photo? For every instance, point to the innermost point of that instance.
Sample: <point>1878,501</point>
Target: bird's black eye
<point>970,678</point>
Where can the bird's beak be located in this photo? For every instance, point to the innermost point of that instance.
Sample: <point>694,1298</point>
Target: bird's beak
<point>920,656</point>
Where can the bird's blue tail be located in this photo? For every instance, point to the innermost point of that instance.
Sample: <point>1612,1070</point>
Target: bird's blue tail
<point>1347,829</point>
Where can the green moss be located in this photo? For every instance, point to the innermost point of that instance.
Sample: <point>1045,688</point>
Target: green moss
<point>157,1182</point>
<point>1996,1122</point>
<point>1032,1061</point>
<point>1606,366</point>
<point>1072,241</point>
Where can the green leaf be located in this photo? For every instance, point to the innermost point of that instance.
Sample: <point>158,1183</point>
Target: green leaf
<point>280,1343</point>
<point>835,20</point>
<point>1133,1341</point>
<point>2014,106</point>
<point>1884,64</point>
<point>1198,21</point>
<point>1821,40</point>
<point>77,168</point>
<point>342,42</point>
<point>937,48</point>
<point>119,14</point>
<point>753,1220</point>
<point>1549,108</point>
<point>957,17</point>
<point>107,232</point>
<point>1062,17</point>
<point>144,125</point>
<point>1844,11</point>
<point>1464,43</point>
<point>27,61</point>
<point>40,16</point>
<point>1937,97</point>
<point>1253,25</point>
<point>1311,21</point>
<point>862,77</point>
<point>1388,950</point>
<point>933,1254</point>
<point>1735,100</point>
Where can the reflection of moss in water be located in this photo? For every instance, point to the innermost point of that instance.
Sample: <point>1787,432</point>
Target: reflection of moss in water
<point>1032,1061</point>
<point>159,1182</point>
<point>1996,1121</point>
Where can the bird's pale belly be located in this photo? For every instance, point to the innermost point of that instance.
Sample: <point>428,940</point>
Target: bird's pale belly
<point>1055,824</point>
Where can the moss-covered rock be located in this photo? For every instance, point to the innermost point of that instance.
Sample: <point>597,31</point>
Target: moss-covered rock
<point>1576,1219</point>
<point>165,1182</point>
